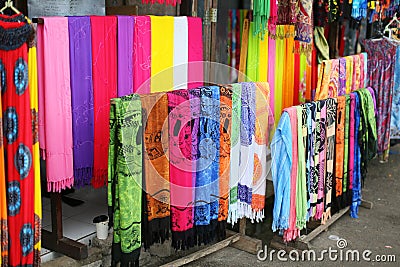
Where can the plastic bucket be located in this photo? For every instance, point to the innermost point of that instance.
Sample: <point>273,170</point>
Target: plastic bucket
<point>101,223</point>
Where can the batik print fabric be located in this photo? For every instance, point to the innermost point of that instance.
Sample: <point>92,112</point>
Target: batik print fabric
<point>207,173</point>
<point>156,168</point>
<point>246,166</point>
<point>320,156</point>
<point>381,78</point>
<point>125,179</point>
<point>17,140</point>
<point>181,168</point>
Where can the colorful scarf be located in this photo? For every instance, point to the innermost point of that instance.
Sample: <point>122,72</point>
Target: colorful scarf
<point>3,196</point>
<point>126,26</point>
<point>156,168</point>
<point>271,75</point>
<point>279,73</point>
<point>225,124</point>
<point>320,160</point>
<point>195,57</point>
<point>313,161</point>
<point>342,76</point>
<point>252,63</point>
<point>167,2</point>
<point>180,169</point>
<point>17,141</point>
<point>142,55</point>
<point>288,77</point>
<point>349,73</point>
<point>33,85</point>
<point>307,129</point>
<point>125,179</point>
<point>80,44</point>
<point>273,16</point>
<point>181,53</point>
<point>346,183</point>
<point>55,128</point>
<point>340,151</point>
<point>260,151</point>
<point>287,11</point>
<point>359,9</point>
<point>235,153</point>
<point>263,59</point>
<point>352,139</point>
<point>246,165</point>
<point>207,184</point>
<point>162,55</point>
<point>261,13</point>
<point>281,153</point>
<point>321,10</point>
<point>356,182</point>
<point>355,85</point>
<point>330,156</point>
<point>292,232</point>
<point>304,25</point>
<point>104,63</point>
<point>395,116</point>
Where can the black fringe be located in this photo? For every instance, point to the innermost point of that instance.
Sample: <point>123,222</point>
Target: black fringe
<point>221,230</point>
<point>183,240</point>
<point>205,234</point>
<point>157,231</point>
<point>126,259</point>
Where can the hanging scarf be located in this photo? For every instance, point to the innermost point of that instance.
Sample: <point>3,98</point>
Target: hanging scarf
<point>260,151</point>
<point>235,153</point>
<point>292,232</point>
<point>287,12</point>
<point>342,77</point>
<point>180,169</point>
<point>225,124</point>
<point>33,85</point>
<point>395,114</point>
<point>55,127</point>
<point>321,157</point>
<point>125,179</point>
<point>273,17</point>
<point>17,143</point>
<point>356,73</point>
<point>359,10</point>
<point>314,160</point>
<point>104,63</point>
<point>356,183</point>
<point>207,185</point>
<point>271,74</point>
<point>366,68</point>
<point>349,73</point>
<point>252,63</point>
<point>82,98</point>
<point>279,73</point>
<point>263,59</point>
<point>232,43</point>
<point>330,156</point>
<point>304,25</point>
<point>142,55</point>
<point>195,57</point>
<point>246,166</point>
<point>288,78</point>
<point>126,26</point>
<point>162,53</point>
<point>362,71</point>
<point>180,53</point>
<point>281,153</point>
<point>321,10</point>
<point>261,13</point>
<point>167,2</point>
<point>156,168</point>
<point>346,153</point>
<point>352,139</point>
<point>307,128</point>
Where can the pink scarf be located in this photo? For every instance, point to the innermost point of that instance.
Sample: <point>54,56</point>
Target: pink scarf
<point>142,55</point>
<point>55,125</point>
<point>195,58</point>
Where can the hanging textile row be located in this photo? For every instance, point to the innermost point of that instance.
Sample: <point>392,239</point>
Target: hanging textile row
<point>200,157</point>
<point>85,61</point>
<point>20,193</point>
<point>320,152</point>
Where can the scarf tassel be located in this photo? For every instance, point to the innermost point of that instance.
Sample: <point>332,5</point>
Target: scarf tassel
<point>205,234</point>
<point>281,224</point>
<point>233,214</point>
<point>245,210</point>
<point>83,176</point>
<point>257,215</point>
<point>99,178</point>
<point>60,185</point>
<point>157,232</point>
<point>183,240</point>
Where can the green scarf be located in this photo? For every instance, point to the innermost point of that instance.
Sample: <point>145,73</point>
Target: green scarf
<point>125,178</point>
<point>346,149</point>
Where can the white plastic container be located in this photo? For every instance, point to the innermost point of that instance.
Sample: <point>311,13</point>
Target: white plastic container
<point>101,223</point>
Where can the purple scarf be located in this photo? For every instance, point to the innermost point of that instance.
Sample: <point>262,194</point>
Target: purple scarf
<point>80,44</point>
<point>125,55</point>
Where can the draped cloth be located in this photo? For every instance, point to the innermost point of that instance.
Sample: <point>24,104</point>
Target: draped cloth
<point>80,44</point>
<point>142,55</point>
<point>156,168</point>
<point>314,171</point>
<point>17,173</point>
<point>246,165</point>
<point>162,53</point>
<point>260,151</point>
<point>320,160</point>
<point>339,153</point>
<point>207,173</point>
<point>279,73</point>
<point>104,67</point>
<point>126,25</point>
<point>235,153</point>
<point>281,153</point>
<point>342,76</point>
<point>181,52</point>
<point>195,52</point>
<point>181,168</point>
<point>346,153</point>
<point>125,179</point>
<point>395,116</point>
<point>225,124</point>
<point>55,128</point>
<point>356,182</point>
<point>330,156</point>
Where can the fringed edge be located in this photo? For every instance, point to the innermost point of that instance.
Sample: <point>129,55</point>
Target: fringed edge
<point>157,232</point>
<point>280,224</point>
<point>244,210</point>
<point>183,240</point>
<point>290,235</point>
<point>359,13</point>
<point>130,259</point>
<point>60,185</point>
<point>319,212</point>
<point>82,176</point>
<point>205,234</point>
<point>233,216</point>
<point>257,215</point>
<point>99,178</point>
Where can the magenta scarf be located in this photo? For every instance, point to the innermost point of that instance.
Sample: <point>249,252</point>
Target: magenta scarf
<point>195,57</point>
<point>142,55</point>
<point>125,54</point>
<point>271,75</point>
<point>55,125</point>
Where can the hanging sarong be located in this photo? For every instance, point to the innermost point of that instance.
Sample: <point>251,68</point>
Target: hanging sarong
<point>18,239</point>
<point>225,123</point>
<point>356,183</point>
<point>207,184</point>
<point>263,59</point>
<point>260,151</point>
<point>180,53</point>
<point>346,183</point>
<point>279,73</point>
<point>349,73</point>
<point>195,50</point>
<point>288,69</point>
<point>342,77</point>
<point>321,146</point>
<point>104,67</point>
<point>246,166</point>
<point>125,179</point>
<point>252,63</point>
<point>156,168</point>
<point>355,85</point>
<point>313,160</point>
<point>271,76</point>
<point>395,114</point>
<point>80,44</point>
<point>235,153</point>
<point>180,169</point>
<point>162,53</point>
<point>351,139</point>
<point>126,26</point>
<point>142,55</point>
<point>307,127</point>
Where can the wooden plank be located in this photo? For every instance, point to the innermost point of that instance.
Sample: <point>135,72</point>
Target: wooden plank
<point>66,246</point>
<point>122,10</point>
<point>242,226</point>
<point>204,252</point>
<point>56,215</point>
<point>366,204</point>
<point>248,244</point>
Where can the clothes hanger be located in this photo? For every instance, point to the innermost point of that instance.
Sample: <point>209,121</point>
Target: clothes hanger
<point>388,29</point>
<point>9,4</point>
